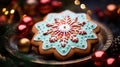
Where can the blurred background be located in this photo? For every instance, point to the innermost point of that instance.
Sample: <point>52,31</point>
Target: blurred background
<point>12,13</point>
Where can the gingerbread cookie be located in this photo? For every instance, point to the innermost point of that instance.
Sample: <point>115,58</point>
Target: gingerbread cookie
<point>64,35</point>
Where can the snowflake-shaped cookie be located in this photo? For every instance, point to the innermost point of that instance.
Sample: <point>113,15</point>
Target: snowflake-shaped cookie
<point>64,31</point>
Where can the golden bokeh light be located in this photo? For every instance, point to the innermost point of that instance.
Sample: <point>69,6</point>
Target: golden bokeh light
<point>118,11</point>
<point>4,9</point>
<point>83,6</point>
<point>77,2</point>
<point>6,12</point>
<point>12,11</point>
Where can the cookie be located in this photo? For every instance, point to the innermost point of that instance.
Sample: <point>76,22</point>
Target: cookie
<point>65,34</point>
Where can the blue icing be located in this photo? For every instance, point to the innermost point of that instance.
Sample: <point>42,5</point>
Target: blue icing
<point>89,29</point>
<point>46,42</point>
<point>82,17</point>
<point>41,26</point>
<point>61,50</point>
<point>50,18</point>
<point>81,44</point>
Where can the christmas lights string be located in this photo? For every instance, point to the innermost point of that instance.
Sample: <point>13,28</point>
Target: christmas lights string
<point>78,3</point>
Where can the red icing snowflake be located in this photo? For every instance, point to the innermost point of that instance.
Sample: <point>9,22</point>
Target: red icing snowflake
<point>64,29</point>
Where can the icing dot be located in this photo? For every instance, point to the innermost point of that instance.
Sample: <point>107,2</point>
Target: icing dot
<point>88,36</point>
<point>38,38</point>
<point>47,45</point>
<point>92,35</point>
<point>67,47</point>
<point>38,26</point>
<point>92,26</point>
<point>83,46</point>
<point>81,15</point>
<point>63,51</point>
<point>81,37</point>
<point>85,36</point>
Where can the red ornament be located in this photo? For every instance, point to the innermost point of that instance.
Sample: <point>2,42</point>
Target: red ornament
<point>44,1</point>
<point>99,58</point>
<point>118,60</point>
<point>44,9</point>
<point>24,28</point>
<point>56,3</point>
<point>13,1</point>
<point>27,19</point>
<point>101,15</point>
<point>111,62</point>
<point>47,6</point>
<point>3,19</point>
<point>97,9</point>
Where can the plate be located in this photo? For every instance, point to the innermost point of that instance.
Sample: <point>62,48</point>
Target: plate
<point>105,41</point>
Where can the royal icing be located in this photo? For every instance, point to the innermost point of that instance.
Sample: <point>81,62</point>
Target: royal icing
<point>64,31</point>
